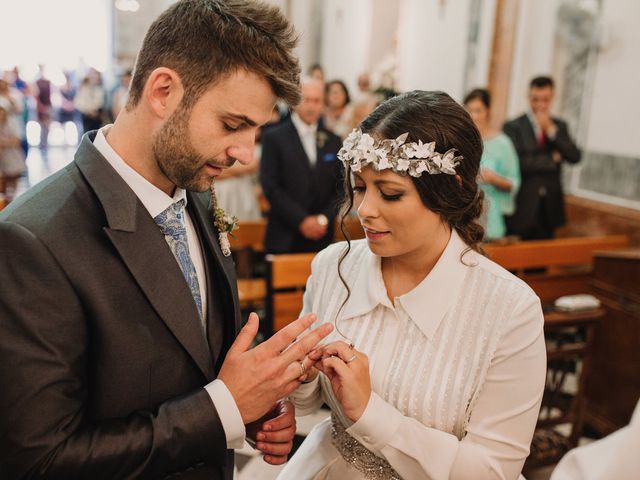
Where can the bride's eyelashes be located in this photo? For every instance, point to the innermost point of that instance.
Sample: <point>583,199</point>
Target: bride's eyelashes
<point>387,197</point>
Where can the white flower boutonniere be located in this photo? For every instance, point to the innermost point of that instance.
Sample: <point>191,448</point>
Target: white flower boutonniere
<point>224,222</point>
<point>321,139</point>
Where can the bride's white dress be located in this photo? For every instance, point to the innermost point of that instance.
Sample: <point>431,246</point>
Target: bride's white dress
<point>457,368</point>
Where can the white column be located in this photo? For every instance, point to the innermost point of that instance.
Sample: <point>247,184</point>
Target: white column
<point>432,45</point>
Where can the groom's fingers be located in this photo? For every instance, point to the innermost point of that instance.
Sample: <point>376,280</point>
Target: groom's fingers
<point>299,350</point>
<point>284,338</point>
<point>246,336</point>
<point>275,460</point>
<point>285,418</point>
<point>280,436</point>
<point>277,449</point>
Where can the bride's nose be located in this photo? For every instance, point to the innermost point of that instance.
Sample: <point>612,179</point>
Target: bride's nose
<point>368,207</point>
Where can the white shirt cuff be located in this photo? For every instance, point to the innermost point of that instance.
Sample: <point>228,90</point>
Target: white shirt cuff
<point>370,431</point>
<point>228,412</point>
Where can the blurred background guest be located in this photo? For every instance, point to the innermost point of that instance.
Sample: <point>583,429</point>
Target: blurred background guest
<point>499,169</point>
<point>90,101</point>
<point>300,175</point>
<point>68,112</point>
<point>543,144</point>
<point>12,162</point>
<point>42,93</point>
<point>121,94</point>
<point>338,114</point>
<point>316,72</point>
<point>365,100</point>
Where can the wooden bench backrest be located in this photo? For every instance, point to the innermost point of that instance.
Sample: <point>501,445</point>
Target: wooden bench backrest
<point>352,226</point>
<point>561,252</point>
<point>288,274</point>
<point>249,235</point>
<point>568,261</point>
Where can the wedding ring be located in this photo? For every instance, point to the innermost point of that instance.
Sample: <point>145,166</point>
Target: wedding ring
<point>303,368</point>
<point>351,359</point>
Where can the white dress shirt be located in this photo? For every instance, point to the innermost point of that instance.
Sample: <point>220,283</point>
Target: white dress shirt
<point>156,201</point>
<point>612,457</point>
<point>307,134</point>
<point>457,368</point>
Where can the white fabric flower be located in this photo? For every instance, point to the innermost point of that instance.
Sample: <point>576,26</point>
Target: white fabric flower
<point>403,165</point>
<point>361,149</point>
<point>448,163</point>
<point>422,150</point>
<point>384,163</point>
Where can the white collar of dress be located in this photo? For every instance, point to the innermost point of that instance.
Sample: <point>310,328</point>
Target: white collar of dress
<point>428,302</point>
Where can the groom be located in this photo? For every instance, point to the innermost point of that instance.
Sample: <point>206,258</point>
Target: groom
<point>119,348</point>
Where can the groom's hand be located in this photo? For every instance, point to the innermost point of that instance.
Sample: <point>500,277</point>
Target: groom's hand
<point>274,432</point>
<point>259,377</point>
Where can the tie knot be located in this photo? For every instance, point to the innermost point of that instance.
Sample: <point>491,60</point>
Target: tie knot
<point>171,220</point>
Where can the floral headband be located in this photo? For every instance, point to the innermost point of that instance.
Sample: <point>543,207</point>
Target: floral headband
<point>361,149</point>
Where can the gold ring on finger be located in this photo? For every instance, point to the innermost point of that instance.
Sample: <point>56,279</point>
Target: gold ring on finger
<point>303,368</point>
<point>351,359</point>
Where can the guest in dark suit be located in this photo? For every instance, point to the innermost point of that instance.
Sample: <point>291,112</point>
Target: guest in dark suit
<point>301,177</point>
<point>118,307</point>
<point>543,144</point>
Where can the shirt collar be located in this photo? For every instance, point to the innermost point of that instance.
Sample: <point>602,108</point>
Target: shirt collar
<point>154,200</point>
<point>534,121</point>
<point>428,302</point>
<point>303,128</point>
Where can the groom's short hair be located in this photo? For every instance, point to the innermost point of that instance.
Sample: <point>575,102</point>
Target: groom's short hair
<point>205,40</point>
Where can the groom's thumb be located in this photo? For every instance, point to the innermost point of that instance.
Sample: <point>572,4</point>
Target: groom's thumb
<point>246,336</point>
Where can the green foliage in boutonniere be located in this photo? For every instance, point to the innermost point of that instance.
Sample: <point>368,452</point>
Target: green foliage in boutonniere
<point>224,222</point>
<point>321,138</point>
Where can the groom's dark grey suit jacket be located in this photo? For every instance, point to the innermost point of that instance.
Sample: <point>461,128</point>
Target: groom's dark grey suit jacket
<point>102,355</point>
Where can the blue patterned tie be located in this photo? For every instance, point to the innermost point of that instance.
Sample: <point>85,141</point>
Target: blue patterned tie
<point>172,224</point>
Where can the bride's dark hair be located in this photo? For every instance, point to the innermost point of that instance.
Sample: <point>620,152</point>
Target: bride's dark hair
<point>432,117</point>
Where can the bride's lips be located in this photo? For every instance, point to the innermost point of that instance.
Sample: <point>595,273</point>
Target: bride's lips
<point>374,234</point>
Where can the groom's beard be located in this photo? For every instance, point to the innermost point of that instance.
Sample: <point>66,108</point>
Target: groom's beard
<point>178,160</point>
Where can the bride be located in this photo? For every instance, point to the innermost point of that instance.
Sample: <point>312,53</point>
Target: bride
<point>436,366</point>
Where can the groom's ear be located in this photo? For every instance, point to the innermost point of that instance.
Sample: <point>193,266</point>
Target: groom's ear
<point>163,92</point>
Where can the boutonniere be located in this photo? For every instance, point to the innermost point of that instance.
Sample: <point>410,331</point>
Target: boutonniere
<point>224,222</point>
<point>321,138</point>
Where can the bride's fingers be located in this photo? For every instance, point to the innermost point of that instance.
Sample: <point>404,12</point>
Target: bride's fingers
<point>338,366</point>
<point>342,350</point>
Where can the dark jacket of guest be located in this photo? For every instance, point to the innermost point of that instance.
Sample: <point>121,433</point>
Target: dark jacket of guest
<point>296,189</point>
<point>541,187</point>
<point>103,355</point>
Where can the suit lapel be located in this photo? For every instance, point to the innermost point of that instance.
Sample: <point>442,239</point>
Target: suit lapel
<point>529,132</point>
<point>221,279</point>
<point>297,145</point>
<point>146,254</point>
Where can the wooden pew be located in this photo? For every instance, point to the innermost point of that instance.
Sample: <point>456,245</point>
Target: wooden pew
<point>249,235</point>
<point>246,242</point>
<point>567,262</point>
<point>567,266</point>
<point>287,278</point>
<point>352,226</point>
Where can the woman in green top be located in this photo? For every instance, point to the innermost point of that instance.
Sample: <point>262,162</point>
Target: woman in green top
<point>499,166</point>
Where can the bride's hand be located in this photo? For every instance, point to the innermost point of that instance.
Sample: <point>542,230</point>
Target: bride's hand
<point>348,371</point>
